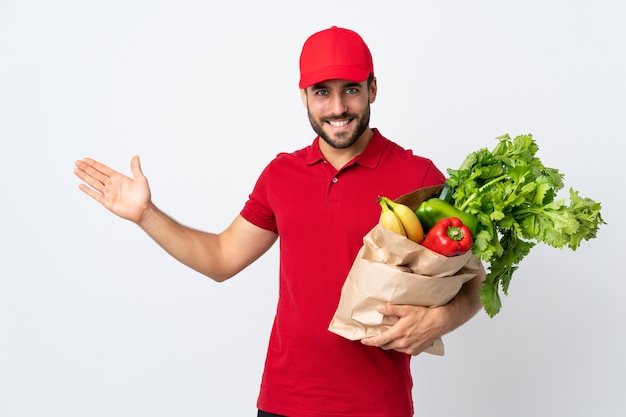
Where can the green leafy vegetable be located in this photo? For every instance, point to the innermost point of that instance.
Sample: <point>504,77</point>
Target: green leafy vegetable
<point>514,197</point>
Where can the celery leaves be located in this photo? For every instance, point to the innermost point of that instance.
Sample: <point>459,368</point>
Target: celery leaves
<point>514,196</point>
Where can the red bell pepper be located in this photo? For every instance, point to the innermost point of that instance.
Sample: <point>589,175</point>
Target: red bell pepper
<point>448,237</point>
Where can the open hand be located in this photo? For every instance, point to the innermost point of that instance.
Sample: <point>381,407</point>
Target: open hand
<point>126,197</point>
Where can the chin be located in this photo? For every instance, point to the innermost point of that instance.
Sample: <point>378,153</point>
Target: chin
<point>341,143</point>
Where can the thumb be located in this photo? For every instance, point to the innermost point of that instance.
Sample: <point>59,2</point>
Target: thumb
<point>135,167</point>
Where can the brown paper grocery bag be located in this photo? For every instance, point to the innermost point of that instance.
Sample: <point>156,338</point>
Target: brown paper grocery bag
<point>390,268</point>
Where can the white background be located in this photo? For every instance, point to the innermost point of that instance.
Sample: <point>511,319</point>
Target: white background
<point>95,319</point>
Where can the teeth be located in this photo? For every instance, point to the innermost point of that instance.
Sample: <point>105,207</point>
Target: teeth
<point>338,123</point>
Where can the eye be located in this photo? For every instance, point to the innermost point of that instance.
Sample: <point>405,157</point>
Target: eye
<point>321,93</point>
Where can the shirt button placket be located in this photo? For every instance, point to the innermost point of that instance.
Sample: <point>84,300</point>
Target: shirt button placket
<point>333,191</point>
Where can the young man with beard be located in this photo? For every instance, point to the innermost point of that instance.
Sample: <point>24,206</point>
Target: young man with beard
<point>309,371</point>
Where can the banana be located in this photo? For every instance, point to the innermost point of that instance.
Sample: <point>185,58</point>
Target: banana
<point>410,222</point>
<point>389,220</point>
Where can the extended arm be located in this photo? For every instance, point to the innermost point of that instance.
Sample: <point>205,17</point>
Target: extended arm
<point>418,327</point>
<point>218,256</point>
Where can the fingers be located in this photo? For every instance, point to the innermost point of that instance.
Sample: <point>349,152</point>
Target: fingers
<point>391,340</point>
<point>391,310</point>
<point>384,339</point>
<point>92,176</point>
<point>380,341</point>
<point>403,336</point>
<point>96,195</point>
<point>97,167</point>
<point>95,175</point>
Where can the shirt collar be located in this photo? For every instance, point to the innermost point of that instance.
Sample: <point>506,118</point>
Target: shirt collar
<point>369,158</point>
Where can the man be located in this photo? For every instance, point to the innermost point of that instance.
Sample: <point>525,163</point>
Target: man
<point>310,371</point>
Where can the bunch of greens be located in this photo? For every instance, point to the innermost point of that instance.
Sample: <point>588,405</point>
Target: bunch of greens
<point>514,197</point>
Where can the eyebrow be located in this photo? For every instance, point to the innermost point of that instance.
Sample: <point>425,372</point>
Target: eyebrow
<point>323,85</point>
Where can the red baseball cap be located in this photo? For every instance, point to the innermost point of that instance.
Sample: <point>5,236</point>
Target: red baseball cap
<point>334,53</point>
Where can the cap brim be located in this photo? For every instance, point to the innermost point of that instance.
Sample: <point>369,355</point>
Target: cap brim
<point>334,73</point>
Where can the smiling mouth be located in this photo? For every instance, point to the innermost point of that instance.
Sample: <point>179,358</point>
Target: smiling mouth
<point>339,123</point>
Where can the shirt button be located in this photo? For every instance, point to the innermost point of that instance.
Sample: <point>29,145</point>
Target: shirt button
<point>335,179</point>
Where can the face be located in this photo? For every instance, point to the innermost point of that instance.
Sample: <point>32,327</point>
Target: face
<point>339,110</point>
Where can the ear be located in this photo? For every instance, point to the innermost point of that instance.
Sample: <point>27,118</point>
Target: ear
<point>303,97</point>
<point>373,90</point>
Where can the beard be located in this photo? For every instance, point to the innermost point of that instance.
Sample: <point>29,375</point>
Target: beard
<point>341,140</point>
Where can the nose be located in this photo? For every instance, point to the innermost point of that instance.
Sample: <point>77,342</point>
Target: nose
<point>338,105</point>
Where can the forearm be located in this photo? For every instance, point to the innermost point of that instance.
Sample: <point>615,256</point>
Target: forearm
<point>463,306</point>
<point>218,256</point>
<point>198,250</point>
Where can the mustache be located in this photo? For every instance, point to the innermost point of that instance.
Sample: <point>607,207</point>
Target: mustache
<point>342,116</point>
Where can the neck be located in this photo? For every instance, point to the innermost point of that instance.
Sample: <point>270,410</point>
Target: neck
<point>339,157</point>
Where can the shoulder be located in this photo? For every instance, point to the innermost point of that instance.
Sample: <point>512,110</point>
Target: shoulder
<point>396,151</point>
<point>411,163</point>
<point>294,159</point>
